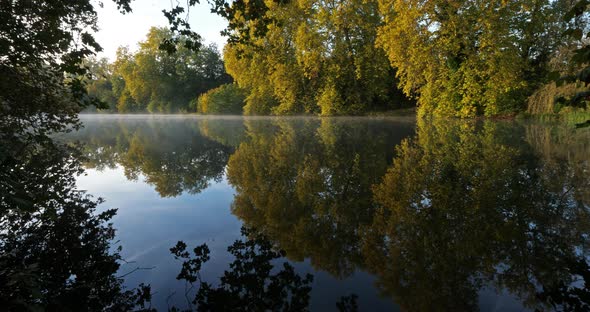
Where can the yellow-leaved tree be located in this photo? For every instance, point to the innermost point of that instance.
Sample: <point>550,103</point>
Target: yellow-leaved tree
<point>311,56</point>
<point>470,57</point>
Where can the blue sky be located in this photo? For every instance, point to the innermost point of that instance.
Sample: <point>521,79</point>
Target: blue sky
<point>117,29</point>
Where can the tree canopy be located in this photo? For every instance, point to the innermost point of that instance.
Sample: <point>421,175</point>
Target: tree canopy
<point>467,58</point>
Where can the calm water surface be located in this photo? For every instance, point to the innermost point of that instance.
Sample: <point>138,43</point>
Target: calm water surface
<point>461,215</point>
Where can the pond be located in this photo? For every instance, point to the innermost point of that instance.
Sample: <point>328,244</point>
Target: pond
<point>397,213</point>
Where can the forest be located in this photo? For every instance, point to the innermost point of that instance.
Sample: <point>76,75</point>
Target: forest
<point>447,58</point>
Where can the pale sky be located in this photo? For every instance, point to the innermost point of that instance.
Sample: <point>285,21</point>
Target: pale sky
<point>117,29</point>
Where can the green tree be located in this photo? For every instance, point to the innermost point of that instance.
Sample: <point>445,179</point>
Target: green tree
<point>155,81</point>
<point>100,84</point>
<point>266,68</point>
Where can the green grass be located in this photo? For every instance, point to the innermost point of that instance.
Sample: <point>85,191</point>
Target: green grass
<point>568,115</point>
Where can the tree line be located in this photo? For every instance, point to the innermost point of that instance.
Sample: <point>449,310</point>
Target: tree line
<point>450,58</point>
<point>460,58</point>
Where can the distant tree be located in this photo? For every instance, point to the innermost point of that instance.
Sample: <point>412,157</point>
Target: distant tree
<point>40,42</point>
<point>100,85</point>
<point>154,80</point>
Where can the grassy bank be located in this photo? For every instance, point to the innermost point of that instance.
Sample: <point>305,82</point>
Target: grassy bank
<point>568,115</point>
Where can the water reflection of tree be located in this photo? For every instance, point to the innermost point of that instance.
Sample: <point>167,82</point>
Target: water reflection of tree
<point>228,131</point>
<point>307,184</point>
<point>563,149</point>
<point>252,283</point>
<point>54,246</point>
<point>469,204</point>
<point>173,156</point>
<point>465,205</point>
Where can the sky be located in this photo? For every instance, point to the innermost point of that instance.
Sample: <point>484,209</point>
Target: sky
<point>116,29</point>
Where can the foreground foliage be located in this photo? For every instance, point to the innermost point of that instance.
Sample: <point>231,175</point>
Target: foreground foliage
<point>252,284</point>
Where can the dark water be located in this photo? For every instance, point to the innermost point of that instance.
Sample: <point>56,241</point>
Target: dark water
<point>444,215</point>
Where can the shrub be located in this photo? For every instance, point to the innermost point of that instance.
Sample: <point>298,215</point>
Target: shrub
<point>225,99</point>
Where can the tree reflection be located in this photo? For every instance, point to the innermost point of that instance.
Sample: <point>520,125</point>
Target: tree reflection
<point>251,284</point>
<point>466,205</point>
<point>57,251</point>
<point>174,157</point>
<point>55,248</point>
<point>306,184</point>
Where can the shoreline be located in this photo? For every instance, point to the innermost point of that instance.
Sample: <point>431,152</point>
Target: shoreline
<point>569,117</point>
